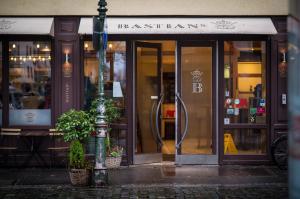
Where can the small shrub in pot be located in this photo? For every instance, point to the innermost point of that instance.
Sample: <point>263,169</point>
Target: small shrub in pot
<point>76,126</point>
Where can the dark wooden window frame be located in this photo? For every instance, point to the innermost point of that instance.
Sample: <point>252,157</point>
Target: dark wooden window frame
<point>242,159</point>
<point>5,79</point>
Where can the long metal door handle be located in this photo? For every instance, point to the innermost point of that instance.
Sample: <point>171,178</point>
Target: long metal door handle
<point>151,119</point>
<point>157,120</point>
<point>186,121</point>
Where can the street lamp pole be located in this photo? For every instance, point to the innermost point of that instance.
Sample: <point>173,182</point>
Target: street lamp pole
<point>100,175</point>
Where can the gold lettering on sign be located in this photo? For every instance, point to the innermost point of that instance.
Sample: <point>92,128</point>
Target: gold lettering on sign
<point>67,93</point>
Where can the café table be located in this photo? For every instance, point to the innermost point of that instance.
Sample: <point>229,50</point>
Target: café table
<point>33,141</point>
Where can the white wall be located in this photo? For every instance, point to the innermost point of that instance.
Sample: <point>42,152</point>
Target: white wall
<point>145,7</point>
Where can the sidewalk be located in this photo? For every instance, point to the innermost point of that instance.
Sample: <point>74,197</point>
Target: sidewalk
<point>151,181</point>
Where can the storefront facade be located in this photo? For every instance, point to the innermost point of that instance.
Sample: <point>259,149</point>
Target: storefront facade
<point>191,89</point>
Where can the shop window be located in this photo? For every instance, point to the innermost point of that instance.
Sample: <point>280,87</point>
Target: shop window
<point>1,90</point>
<point>29,83</point>
<point>114,73</point>
<point>245,142</point>
<point>245,82</point>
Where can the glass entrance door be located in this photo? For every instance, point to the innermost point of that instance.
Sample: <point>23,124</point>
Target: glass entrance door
<point>196,137</point>
<point>148,88</point>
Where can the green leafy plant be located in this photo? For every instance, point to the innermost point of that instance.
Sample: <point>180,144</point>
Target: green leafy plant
<point>115,152</point>
<point>76,125</point>
<point>76,155</point>
<point>112,150</point>
<point>112,112</point>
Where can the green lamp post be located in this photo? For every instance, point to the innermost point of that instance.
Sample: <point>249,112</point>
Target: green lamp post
<point>100,171</point>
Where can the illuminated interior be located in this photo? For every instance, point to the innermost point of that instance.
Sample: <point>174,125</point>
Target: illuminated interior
<point>245,96</point>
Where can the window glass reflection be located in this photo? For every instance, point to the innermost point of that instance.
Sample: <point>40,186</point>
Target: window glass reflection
<point>114,73</point>
<point>245,82</point>
<point>245,142</point>
<point>29,83</point>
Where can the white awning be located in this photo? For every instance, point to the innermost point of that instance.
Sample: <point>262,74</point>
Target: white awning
<point>128,25</point>
<point>26,25</point>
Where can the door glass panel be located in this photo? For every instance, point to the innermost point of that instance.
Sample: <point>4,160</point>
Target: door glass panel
<point>196,90</point>
<point>146,86</point>
<point>30,83</point>
<point>1,102</point>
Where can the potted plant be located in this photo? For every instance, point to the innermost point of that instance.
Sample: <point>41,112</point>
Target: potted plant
<point>113,154</point>
<point>76,126</point>
<point>112,114</point>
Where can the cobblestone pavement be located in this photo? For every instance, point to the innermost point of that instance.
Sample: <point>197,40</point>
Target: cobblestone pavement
<point>267,191</point>
<point>150,181</point>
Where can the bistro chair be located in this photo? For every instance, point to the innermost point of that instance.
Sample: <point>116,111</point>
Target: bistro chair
<point>9,140</point>
<point>56,146</point>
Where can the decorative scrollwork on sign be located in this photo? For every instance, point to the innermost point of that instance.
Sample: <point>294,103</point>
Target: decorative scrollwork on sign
<point>5,24</point>
<point>197,85</point>
<point>225,24</point>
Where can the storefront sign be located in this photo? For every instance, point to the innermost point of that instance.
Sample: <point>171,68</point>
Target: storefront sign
<point>67,92</point>
<point>261,110</point>
<point>236,111</point>
<point>262,102</point>
<point>226,120</point>
<point>237,101</point>
<point>6,24</point>
<point>253,111</point>
<point>136,25</point>
<point>197,85</point>
<point>67,70</point>
<point>230,111</point>
<point>226,93</point>
<point>27,25</point>
<point>30,117</point>
<point>228,101</point>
